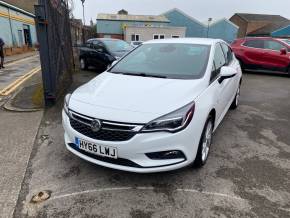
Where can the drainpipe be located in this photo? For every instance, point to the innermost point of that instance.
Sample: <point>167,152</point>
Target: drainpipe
<point>9,17</point>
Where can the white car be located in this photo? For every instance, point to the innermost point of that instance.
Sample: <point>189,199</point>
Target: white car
<point>156,108</point>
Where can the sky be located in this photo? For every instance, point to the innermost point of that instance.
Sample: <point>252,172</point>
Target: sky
<point>199,9</point>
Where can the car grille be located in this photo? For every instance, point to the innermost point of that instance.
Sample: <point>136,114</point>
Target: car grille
<point>110,131</point>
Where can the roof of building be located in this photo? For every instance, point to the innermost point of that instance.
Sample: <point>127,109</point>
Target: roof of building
<point>261,17</point>
<point>16,8</point>
<point>184,14</point>
<point>129,17</point>
<point>220,20</point>
<point>268,29</point>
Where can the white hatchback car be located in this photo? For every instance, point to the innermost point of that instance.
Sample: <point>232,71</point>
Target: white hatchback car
<point>156,108</point>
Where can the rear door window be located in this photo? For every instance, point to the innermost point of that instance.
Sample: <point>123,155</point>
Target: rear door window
<point>219,62</point>
<point>253,43</point>
<point>228,53</point>
<point>273,45</point>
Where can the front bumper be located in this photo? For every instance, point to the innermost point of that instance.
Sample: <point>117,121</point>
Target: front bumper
<point>132,153</point>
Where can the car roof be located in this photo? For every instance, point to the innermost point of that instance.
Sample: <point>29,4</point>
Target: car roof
<point>201,41</point>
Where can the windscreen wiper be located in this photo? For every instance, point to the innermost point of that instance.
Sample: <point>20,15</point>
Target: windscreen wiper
<point>139,74</point>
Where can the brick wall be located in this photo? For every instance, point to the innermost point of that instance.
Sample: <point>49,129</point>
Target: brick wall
<point>241,24</point>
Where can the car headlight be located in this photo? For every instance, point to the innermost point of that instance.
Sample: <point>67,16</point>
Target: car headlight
<point>172,122</point>
<point>66,103</point>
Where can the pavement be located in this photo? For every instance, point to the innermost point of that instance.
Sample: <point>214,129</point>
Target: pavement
<point>247,174</point>
<point>13,58</point>
<point>17,129</point>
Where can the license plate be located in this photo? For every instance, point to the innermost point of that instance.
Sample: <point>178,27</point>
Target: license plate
<point>100,150</point>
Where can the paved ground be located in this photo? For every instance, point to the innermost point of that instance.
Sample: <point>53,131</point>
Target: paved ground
<point>17,134</point>
<point>18,68</point>
<point>247,175</point>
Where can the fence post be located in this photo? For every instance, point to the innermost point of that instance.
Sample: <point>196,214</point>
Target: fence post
<point>54,37</point>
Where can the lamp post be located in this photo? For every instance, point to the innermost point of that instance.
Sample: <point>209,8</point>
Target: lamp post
<point>84,21</point>
<point>209,20</point>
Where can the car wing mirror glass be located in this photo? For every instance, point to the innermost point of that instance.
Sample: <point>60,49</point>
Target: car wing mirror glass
<point>226,73</point>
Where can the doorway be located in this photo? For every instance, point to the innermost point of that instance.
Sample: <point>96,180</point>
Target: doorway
<point>27,35</point>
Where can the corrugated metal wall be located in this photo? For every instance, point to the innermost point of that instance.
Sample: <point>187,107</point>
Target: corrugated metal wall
<point>223,30</point>
<point>283,32</point>
<point>193,29</point>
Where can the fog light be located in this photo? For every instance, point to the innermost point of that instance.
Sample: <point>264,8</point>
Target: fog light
<point>166,155</point>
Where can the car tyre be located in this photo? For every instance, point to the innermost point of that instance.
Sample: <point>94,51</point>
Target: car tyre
<point>83,64</point>
<point>204,144</point>
<point>242,65</point>
<point>236,100</point>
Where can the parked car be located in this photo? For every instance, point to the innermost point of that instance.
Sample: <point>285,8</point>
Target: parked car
<point>136,43</point>
<point>100,53</point>
<point>263,54</point>
<point>155,109</point>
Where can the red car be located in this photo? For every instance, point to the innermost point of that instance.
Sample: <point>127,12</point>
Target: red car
<point>264,54</point>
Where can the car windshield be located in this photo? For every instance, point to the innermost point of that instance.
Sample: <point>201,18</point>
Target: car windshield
<point>166,60</point>
<point>117,45</point>
<point>287,41</point>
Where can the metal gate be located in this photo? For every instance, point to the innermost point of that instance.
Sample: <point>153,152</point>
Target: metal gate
<point>56,55</point>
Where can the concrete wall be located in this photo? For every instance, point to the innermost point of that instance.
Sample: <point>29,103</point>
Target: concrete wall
<point>12,30</point>
<point>193,27</point>
<point>223,29</point>
<point>146,33</point>
<point>117,27</point>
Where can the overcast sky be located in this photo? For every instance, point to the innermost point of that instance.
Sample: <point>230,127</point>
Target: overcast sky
<point>199,9</point>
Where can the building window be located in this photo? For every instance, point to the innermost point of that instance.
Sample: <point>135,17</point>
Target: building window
<point>158,36</point>
<point>175,36</point>
<point>135,37</point>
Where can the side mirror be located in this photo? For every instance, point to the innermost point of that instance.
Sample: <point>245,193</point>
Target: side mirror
<point>283,51</point>
<point>100,50</point>
<point>226,73</point>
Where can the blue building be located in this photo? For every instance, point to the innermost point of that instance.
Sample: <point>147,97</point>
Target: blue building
<point>282,32</point>
<point>275,29</point>
<point>194,28</point>
<point>223,29</point>
<point>17,27</point>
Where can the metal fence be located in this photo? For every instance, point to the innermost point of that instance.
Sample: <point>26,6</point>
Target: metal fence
<point>56,54</point>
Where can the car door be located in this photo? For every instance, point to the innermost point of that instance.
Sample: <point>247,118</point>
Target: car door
<point>253,50</point>
<point>274,59</point>
<point>221,89</point>
<point>98,54</point>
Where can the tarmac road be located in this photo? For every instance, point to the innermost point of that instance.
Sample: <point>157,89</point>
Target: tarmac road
<point>17,69</point>
<point>247,174</point>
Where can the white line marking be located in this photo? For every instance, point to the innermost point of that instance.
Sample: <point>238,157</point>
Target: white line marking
<point>145,188</point>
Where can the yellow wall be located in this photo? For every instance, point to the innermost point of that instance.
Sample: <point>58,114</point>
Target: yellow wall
<point>17,18</point>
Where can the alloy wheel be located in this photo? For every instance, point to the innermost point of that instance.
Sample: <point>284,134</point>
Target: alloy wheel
<point>206,142</point>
